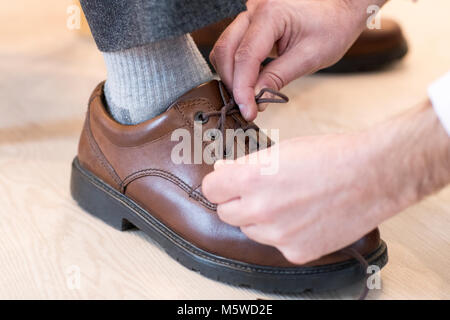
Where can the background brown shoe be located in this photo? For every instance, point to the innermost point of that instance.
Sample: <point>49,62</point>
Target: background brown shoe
<point>374,49</point>
<point>125,176</point>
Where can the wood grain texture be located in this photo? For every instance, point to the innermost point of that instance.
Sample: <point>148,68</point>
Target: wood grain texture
<point>46,75</point>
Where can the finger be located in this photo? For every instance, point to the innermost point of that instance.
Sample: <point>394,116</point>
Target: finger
<point>218,186</point>
<point>231,212</point>
<point>255,46</point>
<point>222,55</point>
<point>256,233</point>
<point>236,213</point>
<point>286,68</point>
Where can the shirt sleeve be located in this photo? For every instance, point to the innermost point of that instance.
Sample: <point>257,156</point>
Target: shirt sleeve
<point>439,94</point>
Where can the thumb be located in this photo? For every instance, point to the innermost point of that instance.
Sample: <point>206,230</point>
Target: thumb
<point>284,69</point>
<point>222,163</point>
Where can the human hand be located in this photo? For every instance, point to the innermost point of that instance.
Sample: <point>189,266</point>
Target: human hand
<point>307,35</point>
<point>331,190</point>
<point>321,199</point>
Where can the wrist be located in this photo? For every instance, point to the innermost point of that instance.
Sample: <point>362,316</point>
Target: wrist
<point>359,10</point>
<point>356,17</point>
<point>411,156</point>
<point>360,6</point>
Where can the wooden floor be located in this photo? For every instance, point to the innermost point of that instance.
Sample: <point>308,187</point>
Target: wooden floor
<point>49,248</point>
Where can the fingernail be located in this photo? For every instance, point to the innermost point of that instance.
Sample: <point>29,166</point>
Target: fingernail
<point>244,110</point>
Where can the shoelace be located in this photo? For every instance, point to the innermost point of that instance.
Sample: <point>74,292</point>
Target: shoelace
<point>364,265</point>
<point>230,108</point>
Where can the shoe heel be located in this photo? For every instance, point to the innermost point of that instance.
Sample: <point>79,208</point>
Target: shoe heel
<point>97,198</point>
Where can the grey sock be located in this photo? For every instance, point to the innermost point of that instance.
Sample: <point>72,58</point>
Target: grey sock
<point>142,82</point>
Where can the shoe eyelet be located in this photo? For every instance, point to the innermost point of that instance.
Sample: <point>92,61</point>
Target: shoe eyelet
<point>199,116</point>
<point>212,136</point>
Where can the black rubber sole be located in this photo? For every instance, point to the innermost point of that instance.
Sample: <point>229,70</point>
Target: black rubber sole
<point>122,213</point>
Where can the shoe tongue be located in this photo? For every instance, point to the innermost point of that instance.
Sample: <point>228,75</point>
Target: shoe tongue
<point>209,90</point>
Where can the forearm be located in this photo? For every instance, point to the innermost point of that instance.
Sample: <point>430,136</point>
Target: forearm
<point>411,156</point>
<point>360,9</point>
<point>364,4</point>
<point>361,6</point>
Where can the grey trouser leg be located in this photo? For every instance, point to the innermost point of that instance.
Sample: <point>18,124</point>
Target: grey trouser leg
<point>123,24</point>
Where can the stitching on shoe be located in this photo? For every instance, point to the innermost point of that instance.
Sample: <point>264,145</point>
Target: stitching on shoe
<point>144,215</point>
<point>100,95</point>
<point>122,184</point>
<point>148,142</point>
<point>97,151</point>
<point>171,178</point>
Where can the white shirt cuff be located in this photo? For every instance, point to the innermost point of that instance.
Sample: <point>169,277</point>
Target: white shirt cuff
<point>439,94</point>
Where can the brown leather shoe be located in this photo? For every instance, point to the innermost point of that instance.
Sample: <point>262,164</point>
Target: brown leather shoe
<point>125,176</point>
<point>374,49</point>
